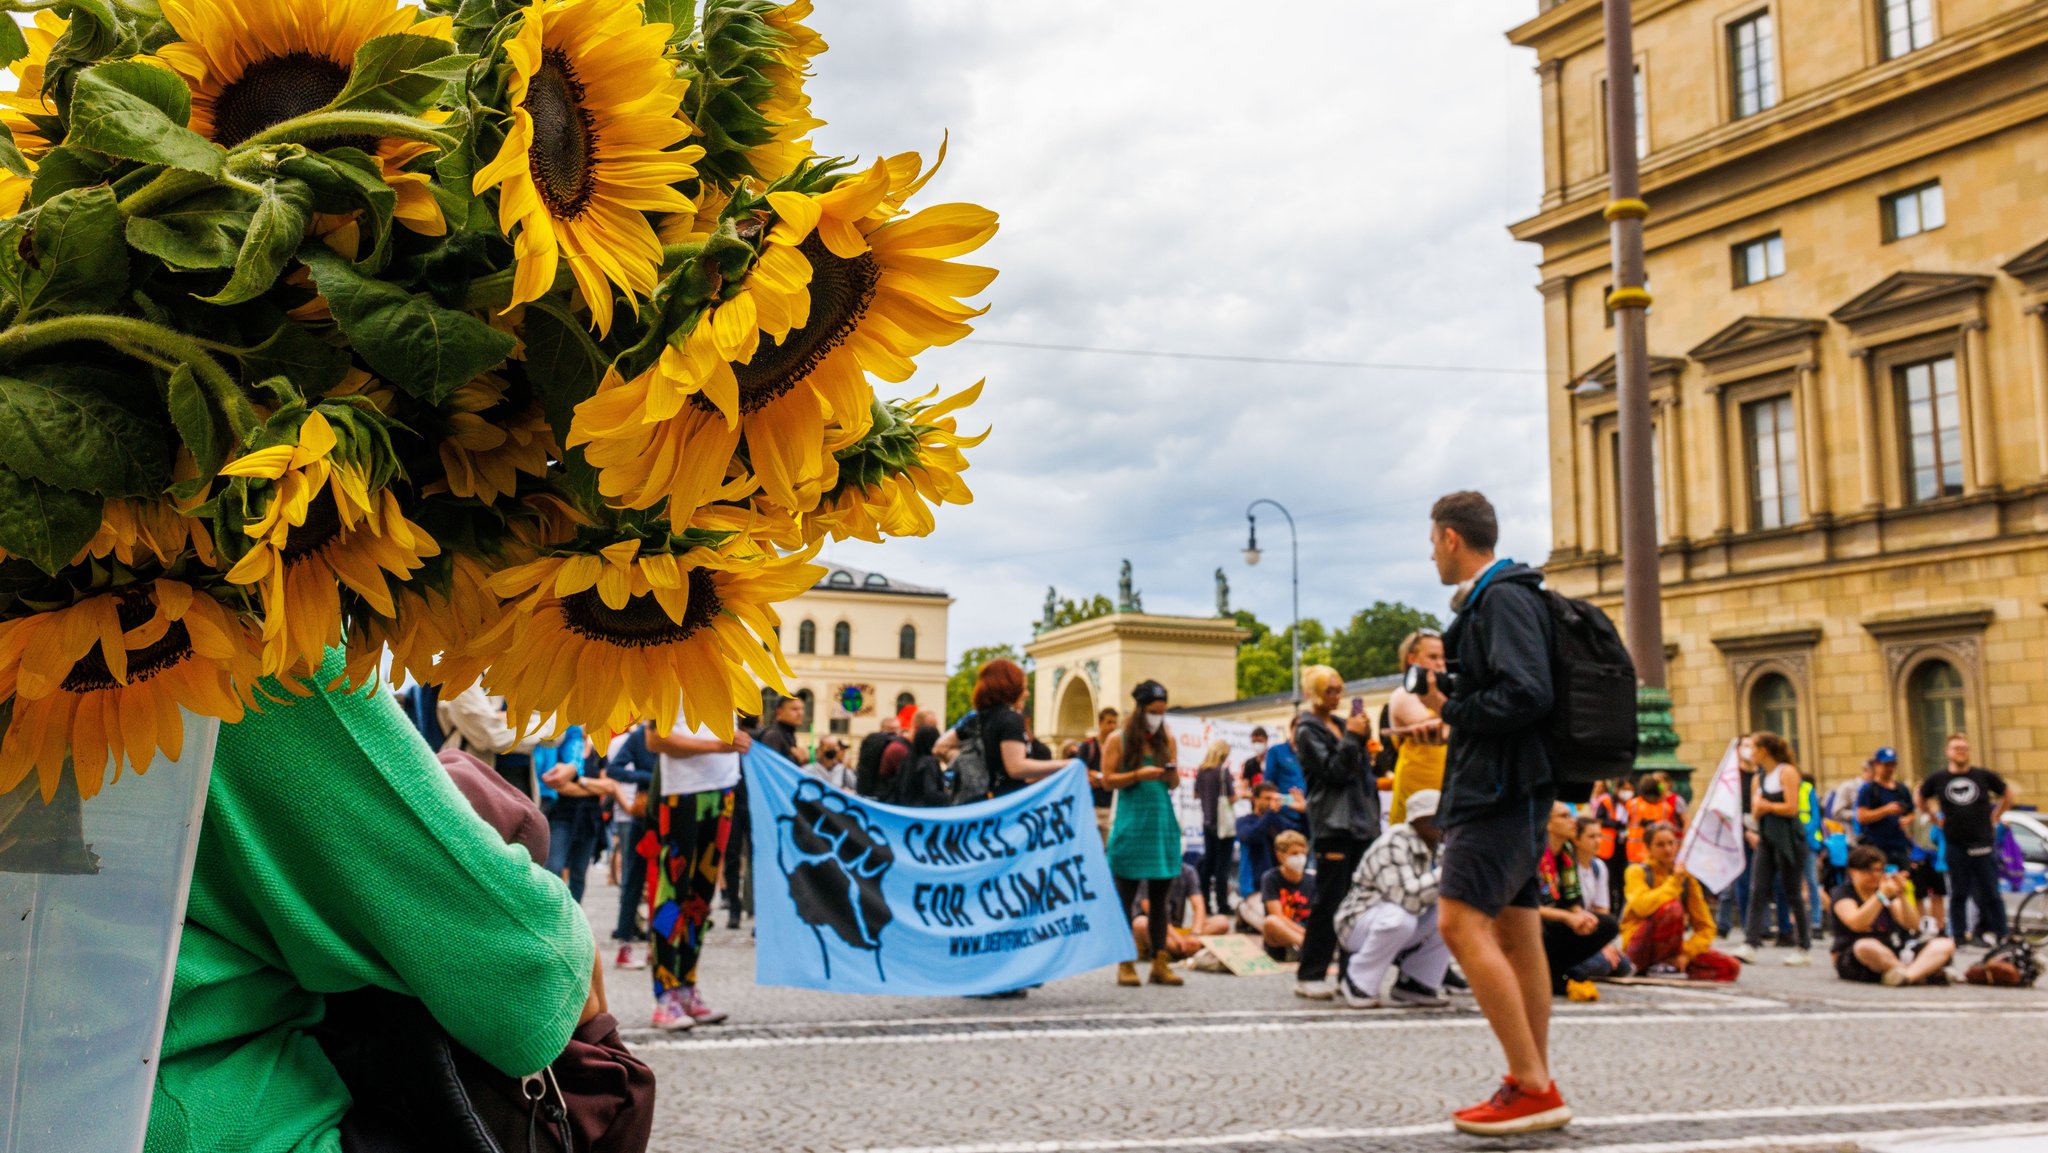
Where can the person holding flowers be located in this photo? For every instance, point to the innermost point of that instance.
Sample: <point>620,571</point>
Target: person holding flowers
<point>521,343</point>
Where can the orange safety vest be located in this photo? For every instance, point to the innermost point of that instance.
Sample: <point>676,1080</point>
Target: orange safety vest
<point>1604,808</point>
<point>1641,815</point>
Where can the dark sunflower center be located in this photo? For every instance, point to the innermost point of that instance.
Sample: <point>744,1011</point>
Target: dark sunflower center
<point>564,153</point>
<point>841,291</point>
<point>323,524</point>
<point>279,88</point>
<point>642,623</point>
<point>90,674</point>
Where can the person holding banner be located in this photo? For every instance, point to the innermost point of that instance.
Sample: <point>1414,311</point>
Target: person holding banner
<point>1666,927</point>
<point>697,778</point>
<point>995,733</point>
<point>1145,839</point>
<point>1781,850</point>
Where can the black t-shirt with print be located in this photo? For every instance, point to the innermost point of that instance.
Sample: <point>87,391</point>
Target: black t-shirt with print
<point>1967,802</point>
<point>1293,898</point>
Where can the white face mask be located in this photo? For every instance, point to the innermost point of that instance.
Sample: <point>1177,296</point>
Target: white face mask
<point>1627,794</point>
<point>1154,721</point>
<point>1258,748</point>
<point>1298,862</point>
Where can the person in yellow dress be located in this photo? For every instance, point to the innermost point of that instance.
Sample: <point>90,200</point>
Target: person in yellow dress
<point>1418,732</point>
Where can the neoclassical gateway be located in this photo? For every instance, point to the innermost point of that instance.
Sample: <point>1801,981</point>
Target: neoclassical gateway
<point>1849,261</point>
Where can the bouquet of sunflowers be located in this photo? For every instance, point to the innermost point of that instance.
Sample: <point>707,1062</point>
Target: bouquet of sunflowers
<point>522,341</point>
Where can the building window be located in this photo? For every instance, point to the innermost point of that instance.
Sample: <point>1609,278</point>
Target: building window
<point>1908,26</point>
<point>1934,698</point>
<point>1759,260</point>
<point>1933,427</point>
<point>906,643</point>
<point>1753,64</point>
<point>1773,441</point>
<point>807,637</point>
<point>810,700</point>
<point>1656,479</point>
<point>1914,211</point>
<point>1642,117</point>
<point>905,701</point>
<point>1774,707</point>
<point>842,639</point>
<point>840,725</point>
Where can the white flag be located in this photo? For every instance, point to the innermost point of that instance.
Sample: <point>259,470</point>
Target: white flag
<point>1712,850</point>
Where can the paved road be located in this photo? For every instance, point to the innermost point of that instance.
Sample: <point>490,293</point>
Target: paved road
<point>1787,1059</point>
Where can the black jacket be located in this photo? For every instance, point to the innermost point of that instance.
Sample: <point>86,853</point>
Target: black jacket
<point>1343,798</point>
<point>1499,647</point>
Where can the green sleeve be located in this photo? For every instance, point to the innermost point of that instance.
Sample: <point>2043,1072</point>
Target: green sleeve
<point>364,865</point>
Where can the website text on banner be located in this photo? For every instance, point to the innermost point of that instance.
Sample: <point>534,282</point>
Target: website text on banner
<point>858,897</point>
<point>1712,850</point>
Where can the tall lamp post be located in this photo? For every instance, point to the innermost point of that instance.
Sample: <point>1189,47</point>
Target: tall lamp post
<point>1251,557</point>
<point>1642,594</point>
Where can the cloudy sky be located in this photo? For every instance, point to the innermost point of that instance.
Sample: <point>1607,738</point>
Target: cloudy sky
<point>1327,180</point>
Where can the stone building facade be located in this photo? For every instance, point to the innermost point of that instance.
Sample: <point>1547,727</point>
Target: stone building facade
<point>1848,253</point>
<point>862,645</point>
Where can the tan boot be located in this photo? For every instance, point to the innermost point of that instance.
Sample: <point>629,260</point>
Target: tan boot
<point>1162,971</point>
<point>1126,973</point>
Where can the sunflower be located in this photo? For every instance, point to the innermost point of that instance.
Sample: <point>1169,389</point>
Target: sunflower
<point>788,105</point>
<point>104,679</point>
<point>253,64</point>
<point>321,526</point>
<point>134,530</point>
<point>26,112</point>
<point>432,637</point>
<point>890,484</point>
<point>490,441</point>
<point>605,640</point>
<point>879,291</point>
<point>596,113</point>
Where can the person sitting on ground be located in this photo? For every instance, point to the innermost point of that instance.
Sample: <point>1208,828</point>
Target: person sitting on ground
<point>1666,927</point>
<point>1188,918</point>
<point>1587,834</point>
<point>1874,912</point>
<point>1286,894</point>
<point>1269,817</point>
<point>829,765</point>
<point>1389,915</point>
<point>1572,933</point>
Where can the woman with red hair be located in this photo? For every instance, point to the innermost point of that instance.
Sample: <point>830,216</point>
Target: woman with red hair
<point>996,728</point>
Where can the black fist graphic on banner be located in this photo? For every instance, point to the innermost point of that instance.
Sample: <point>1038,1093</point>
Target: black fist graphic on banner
<point>834,859</point>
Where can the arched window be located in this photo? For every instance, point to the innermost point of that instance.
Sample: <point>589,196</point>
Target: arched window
<point>904,701</point>
<point>810,700</point>
<point>842,639</point>
<point>906,643</point>
<point>1934,702</point>
<point>1774,707</point>
<point>807,637</point>
<point>769,699</point>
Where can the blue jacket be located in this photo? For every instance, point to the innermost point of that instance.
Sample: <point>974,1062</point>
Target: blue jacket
<point>570,750</point>
<point>634,763</point>
<point>1283,769</point>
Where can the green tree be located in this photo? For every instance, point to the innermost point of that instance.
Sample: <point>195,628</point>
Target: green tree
<point>960,686</point>
<point>1368,646</point>
<point>1072,612</point>
<point>1265,660</point>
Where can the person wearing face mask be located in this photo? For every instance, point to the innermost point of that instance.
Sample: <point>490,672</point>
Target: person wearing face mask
<point>1416,729</point>
<point>1287,894</point>
<point>1649,806</point>
<point>1253,770</point>
<point>1145,837</point>
<point>1343,816</point>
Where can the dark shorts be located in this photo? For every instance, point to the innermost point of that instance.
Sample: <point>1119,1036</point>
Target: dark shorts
<point>1927,881</point>
<point>1848,968</point>
<point>1490,862</point>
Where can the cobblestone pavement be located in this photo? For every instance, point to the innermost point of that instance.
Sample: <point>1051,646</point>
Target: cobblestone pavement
<point>1787,1059</point>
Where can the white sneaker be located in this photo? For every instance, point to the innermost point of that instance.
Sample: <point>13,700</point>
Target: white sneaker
<point>1315,990</point>
<point>1744,953</point>
<point>1352,996</point>
<point>1798,959</point>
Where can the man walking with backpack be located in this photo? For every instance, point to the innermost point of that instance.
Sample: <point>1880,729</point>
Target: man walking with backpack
<point>1497,796</point>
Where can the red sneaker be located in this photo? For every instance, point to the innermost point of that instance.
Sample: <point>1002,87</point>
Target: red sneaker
<point>1513,1110</point>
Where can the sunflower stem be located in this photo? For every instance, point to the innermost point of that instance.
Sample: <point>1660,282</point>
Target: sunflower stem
<point>29,5</point>
<point>170,186</point>
<point>314,127</point>
<point>119,331</point>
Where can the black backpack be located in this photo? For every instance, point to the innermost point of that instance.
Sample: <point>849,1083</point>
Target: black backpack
<point>972,779</point>
<point>922,785</point>
<point>1592,724</point>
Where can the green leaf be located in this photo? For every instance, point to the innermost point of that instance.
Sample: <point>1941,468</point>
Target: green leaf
<point>64,168</point>
<point>43,525</point>
<point>199,232</point>
<point>65,425</point>
<point>449,69</point>
<point>138,111</point>
<point>384,77</point>
<point>423,348</point>
<point>279,224</point>
<point>198,420</point>
<point>562,362</point>
<point>13,46</point>
<point>11,158</point>
<point>346,180</point>
<point>295,353</point>
<point>76,261</point>
<point>681,15</point>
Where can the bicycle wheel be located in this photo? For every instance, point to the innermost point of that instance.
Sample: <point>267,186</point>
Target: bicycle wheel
<point>2030,921</point>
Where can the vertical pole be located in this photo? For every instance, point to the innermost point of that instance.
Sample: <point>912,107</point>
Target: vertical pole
<point>1294,548</point>
<point>1642,613</point>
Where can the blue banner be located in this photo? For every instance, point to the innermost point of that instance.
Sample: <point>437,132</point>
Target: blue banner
<point>853,896</point>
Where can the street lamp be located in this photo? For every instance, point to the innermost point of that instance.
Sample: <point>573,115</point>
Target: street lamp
<point>1251,557</point>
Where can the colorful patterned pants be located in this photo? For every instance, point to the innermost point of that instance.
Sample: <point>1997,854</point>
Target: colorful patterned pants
<point>690,836</point>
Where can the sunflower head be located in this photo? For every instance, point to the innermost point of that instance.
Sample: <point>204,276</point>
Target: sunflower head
<point>494,435</point>
<point>889,482</point>
<point>755,113</point>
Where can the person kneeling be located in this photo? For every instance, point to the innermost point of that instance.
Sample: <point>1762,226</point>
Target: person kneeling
<point>1667,928</point>
<point>1572,933</point>
<point>1286,894</point>
<point>1389,915</point>
<point>1870,943</point>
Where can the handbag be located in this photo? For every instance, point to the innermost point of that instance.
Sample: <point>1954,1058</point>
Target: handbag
<point>415,1089</point>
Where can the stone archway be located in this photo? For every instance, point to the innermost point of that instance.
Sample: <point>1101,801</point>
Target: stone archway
<point>1075,715</point>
